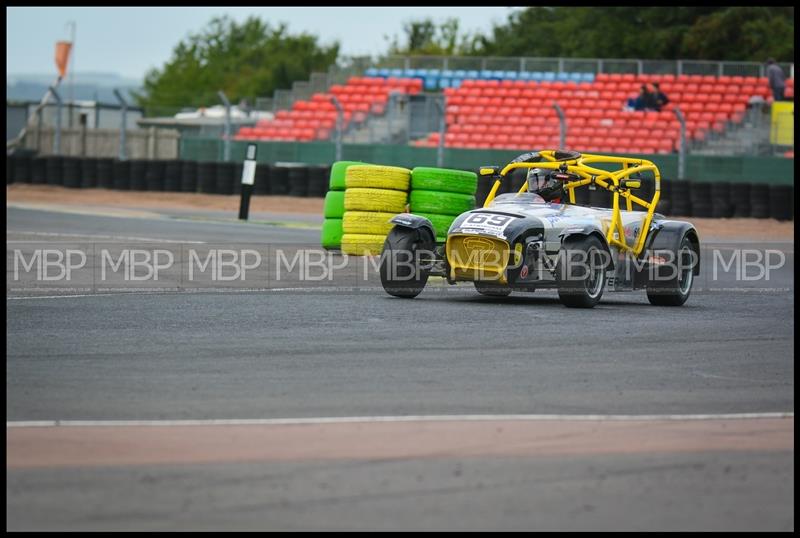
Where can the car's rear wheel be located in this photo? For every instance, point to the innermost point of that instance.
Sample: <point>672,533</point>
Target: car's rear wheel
<point>581,272</point>
<point>405,262</point>
<point>675,291</point>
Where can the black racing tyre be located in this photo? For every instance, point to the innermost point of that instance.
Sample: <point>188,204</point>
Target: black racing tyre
<point>492,289</point>
<point>298,181</point>
<point>105,173</point>
<point>317,181</point>
<point>679,200</point>
<point>759,201</point>
<point>88,173</point>
<point>262,181</point>
<point>72,172</point>
<point>189,176</point>
<point>740,199</point>
<point>207,177</point>
<point>138,175</point>
<point>444,179</point>
<point>669,290</point>
<point>780,202</point>
<point>39,170</point>
<point>441,203</point>
<point>154,175</point>
<point>700,198</point>
<point>721,207</point>
<point>401,275</point>
<point>279,180</point>
<point>225,177</point>
<point>172,175</point>
<point>122,175</point>
<point>581,271</point>
<point>54,170</point>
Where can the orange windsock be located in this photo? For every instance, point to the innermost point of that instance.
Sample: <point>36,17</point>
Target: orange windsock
<point>62,56</point>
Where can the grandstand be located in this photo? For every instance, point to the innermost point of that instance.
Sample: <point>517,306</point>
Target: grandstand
<point>514,110</point>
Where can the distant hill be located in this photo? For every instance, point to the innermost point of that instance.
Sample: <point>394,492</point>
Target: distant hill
<point>90,86</point>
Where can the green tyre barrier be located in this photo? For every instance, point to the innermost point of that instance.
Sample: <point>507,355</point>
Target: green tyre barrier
<point>337,174</point>
<point>333,207</point>
<point>443,179</point>
<point>441,203</point>
<point>441,223</point>
<point>331,233</point>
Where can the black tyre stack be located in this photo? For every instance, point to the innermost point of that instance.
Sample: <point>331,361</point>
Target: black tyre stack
<point>88,173</point>
<point>517,179</point>
<point>54,170</point>
<point>600,197</point>
<point>700,198</point>
<point>681,205</point>
<point>721,207</point>
<point>279,180</point>
<point>138,175</point>
<point>189,171</point>
<point>318,181</point>
<point>154,175</point>
<point>665,199</point>
<point>298,181</point>
<point>39,170</point>
<point>646,191</point>
<point>781,201</point>
<point>71,170</point>
<point>105,173</point>
<point>759,201</point>
<point>122,175</point>
<point>172,175</point>
<point>581,196</point>
<point>740,199</point>
<point>207,177</point>
<point>225,173</point>
<point>262,179</point>
<point>20,169</point>
<point>484,186</point>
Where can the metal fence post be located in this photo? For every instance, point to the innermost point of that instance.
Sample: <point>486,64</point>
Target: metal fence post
<point>562,121</point>
<point>440,149</point>
<point>124,126</point>
<point>679,67</point>
<point>339,126</point>
<point>57,138</point>
<point>227,132</point>
<point>682,148</point>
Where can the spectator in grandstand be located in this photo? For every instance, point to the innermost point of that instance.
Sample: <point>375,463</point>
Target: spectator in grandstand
<point>777,80</point>
<point>642,100</point>
<point>661,98</point>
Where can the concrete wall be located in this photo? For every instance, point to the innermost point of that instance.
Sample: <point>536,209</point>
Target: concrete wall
<point>140,144</point>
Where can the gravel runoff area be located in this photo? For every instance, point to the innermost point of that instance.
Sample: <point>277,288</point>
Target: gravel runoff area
<point>744,229</point>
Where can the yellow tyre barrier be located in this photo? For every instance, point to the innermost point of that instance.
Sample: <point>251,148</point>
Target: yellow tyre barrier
<point>377,177</point>
<point>362,244</point>
<point>367,222</point>
<point>381,200</point>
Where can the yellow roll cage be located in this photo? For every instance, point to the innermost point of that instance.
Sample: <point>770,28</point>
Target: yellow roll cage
<point>613,181</point>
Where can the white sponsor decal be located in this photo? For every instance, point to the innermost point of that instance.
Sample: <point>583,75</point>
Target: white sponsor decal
<point>486,223</point>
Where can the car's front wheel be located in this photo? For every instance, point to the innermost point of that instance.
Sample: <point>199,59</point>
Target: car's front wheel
<point>405,261</point>
<point>581,272</point>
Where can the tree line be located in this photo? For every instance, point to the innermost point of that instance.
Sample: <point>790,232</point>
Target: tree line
<point>254,58</point>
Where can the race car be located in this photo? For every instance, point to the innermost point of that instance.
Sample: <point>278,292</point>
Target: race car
<point>539,238</point>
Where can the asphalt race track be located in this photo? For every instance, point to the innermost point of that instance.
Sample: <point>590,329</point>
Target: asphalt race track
<point>294,350</point>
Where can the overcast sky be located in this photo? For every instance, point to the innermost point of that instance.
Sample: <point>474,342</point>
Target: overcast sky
<point>129,41</point>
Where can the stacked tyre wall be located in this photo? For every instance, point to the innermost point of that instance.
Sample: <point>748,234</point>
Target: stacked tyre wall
<point>440,195</point>
<point>687,198</point>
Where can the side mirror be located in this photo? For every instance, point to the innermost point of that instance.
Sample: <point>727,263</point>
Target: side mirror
<point>630,183</point>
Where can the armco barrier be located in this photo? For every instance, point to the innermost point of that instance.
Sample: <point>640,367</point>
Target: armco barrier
<point>681,198</point>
